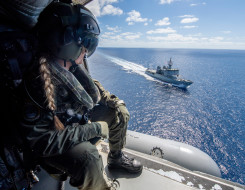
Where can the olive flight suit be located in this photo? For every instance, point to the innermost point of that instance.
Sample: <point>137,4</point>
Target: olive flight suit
<point>70,150</point>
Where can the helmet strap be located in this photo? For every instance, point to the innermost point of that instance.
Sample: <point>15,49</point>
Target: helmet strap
<point>73,66</point>
<point>64,62</point>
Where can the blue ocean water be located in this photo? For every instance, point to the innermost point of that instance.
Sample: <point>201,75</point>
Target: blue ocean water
<point>209,115</point>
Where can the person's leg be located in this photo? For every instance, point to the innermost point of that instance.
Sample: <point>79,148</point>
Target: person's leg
<point>117,131</point>
<point>117,139</point>
<point>84,166</point>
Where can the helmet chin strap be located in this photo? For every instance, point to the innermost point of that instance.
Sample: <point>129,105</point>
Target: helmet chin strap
<point>64,62</point>
<point>85,62</point>
<point>73,66</point>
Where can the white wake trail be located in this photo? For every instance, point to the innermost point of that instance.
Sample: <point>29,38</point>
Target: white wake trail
<point>130,66</point>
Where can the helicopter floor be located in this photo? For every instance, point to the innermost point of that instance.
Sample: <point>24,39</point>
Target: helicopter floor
<point>157,174</point>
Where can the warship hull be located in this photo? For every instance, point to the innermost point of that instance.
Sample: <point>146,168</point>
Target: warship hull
<point>178,82</point>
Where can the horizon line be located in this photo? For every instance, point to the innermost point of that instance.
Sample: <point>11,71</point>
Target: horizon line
<point>171,48</point>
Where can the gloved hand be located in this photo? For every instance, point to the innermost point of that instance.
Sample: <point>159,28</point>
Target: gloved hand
<point>104,129</point>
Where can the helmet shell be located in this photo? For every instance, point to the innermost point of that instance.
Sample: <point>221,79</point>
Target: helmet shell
<point>63,29</point>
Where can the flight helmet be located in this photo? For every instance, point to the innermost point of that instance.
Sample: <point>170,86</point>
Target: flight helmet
<point>63,29</point>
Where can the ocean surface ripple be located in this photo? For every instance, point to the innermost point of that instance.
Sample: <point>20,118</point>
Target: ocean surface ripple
<point>209,115</point>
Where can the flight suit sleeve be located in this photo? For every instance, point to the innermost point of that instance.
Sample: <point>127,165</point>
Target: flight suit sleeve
<point>113,102</point>
<point>107,98</point>
<point>42,137</point>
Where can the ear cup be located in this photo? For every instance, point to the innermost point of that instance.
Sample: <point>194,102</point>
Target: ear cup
<point>68,36</point>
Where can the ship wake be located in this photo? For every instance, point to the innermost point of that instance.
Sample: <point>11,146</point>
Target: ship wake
<point>129,66</point>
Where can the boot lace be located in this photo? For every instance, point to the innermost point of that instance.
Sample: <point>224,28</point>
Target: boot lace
<point>126,160</point>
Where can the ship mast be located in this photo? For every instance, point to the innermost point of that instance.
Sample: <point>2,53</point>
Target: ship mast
<point>170,63</point>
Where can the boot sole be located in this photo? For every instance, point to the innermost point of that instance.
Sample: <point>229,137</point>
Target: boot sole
<point>114,167</point>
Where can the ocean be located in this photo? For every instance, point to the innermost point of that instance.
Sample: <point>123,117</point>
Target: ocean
<point>209,115</point>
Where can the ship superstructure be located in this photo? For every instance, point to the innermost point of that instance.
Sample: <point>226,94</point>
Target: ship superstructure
<point>169,75</point>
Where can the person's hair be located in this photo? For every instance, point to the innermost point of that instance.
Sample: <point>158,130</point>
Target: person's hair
<point>49,90</point>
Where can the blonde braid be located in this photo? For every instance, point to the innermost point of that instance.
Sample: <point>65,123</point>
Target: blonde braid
<point>49,90</point>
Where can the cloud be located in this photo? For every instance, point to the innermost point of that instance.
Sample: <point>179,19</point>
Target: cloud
<point>215,39</point>
<point>197,34</point>
<point>105,2</point>
<point>134,16</point>
<point>211,39</point>
<point>166,1</point>
<point>131,36</point>
<point>109,36</point>
<point>110,10</point>
<point>226,32</point>
<point>114,29</point>
<point>186,16</point>
<point>189,27</point>
<point>161,31</point>
<point>121,37</point>
<point>173,38</point>
<point>108,33</point>
<point>104,7</point>
<point>188,19</point>
<point>163,22</point>
<point>127,33</point>
<point>194,4</point>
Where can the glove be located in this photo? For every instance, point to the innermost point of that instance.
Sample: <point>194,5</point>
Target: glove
<point>104,129</point>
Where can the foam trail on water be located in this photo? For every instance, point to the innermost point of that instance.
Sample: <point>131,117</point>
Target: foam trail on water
<point>130,66</point>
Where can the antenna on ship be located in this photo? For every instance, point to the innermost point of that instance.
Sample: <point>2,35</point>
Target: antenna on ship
<point>170,63</point>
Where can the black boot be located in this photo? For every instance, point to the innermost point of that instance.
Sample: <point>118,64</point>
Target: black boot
<point>119,160</point>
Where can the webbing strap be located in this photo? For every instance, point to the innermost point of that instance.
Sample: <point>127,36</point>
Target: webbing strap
<point>16,71</point>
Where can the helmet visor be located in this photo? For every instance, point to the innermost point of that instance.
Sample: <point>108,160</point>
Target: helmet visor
<point>87,33</point>
<point>89,42</point>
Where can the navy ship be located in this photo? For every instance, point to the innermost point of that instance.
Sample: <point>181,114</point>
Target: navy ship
<point>169,75</point>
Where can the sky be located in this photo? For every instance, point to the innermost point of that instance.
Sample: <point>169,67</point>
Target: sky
<point>200,24</point>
